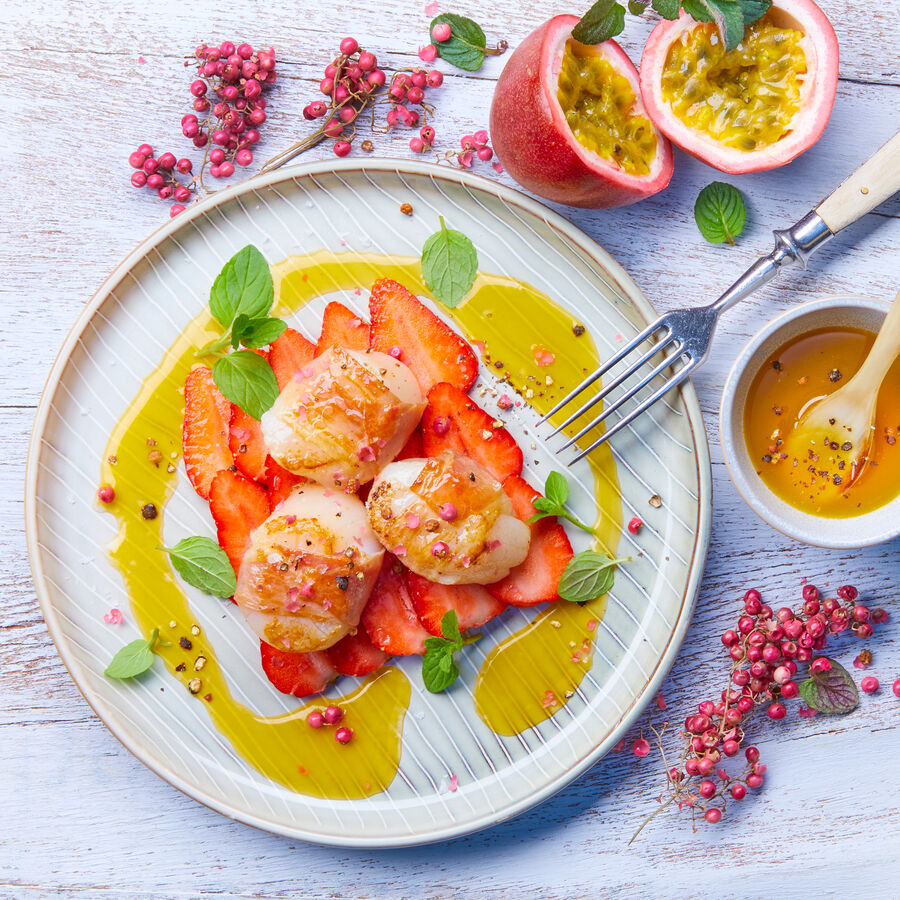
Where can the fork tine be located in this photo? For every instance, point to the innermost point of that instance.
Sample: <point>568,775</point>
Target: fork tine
<point>624,376</point>
<point>599,373</point>
<point>657,370</point>
<point>674,381</point>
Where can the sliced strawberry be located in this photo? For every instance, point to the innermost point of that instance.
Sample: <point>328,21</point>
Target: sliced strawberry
<point>341,327</point>
<point>432,349</point>
<point>238,505</point>
<point>473,604</point>
<point>413,448</point>
<point>288,355</point>
<point>280,482</point>
<point>467,429</point>
<point>248,446</point>
<point>389,616</point>
<point>204,434</point>
<point>355,654</point>
<point>536,579</point>
<point>300,674</point>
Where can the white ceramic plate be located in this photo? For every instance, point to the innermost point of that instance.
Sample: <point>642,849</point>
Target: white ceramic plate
<point>120,338</point>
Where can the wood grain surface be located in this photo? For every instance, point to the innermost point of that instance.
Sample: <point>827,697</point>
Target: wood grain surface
<point>81,818</point>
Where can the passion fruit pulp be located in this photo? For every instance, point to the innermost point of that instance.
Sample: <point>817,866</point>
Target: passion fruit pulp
<point>754,107</point>
<point>568,122</point>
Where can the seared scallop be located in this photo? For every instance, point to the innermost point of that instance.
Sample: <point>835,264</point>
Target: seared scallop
<point>344,417</point>
<point>309,570</point>
<point>447,519</point>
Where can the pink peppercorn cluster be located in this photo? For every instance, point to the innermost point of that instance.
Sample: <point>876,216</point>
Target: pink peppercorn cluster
<point>229,91</point>
<point>331,715</point>
<point>160,174</point>
<point>766,649</point>
<point>474,148</point>
<point>408,88</point>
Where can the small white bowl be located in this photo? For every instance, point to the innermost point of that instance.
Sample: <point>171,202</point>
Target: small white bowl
<point>857,531</point>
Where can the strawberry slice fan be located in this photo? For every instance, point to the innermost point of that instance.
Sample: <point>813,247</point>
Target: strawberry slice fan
<point>229,464</point>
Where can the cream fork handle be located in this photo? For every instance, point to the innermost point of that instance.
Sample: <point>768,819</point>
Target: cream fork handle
<point>871,184</point>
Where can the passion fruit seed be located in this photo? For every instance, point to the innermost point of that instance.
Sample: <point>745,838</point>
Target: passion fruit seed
<point>598,105</point>
<point>745,97</point>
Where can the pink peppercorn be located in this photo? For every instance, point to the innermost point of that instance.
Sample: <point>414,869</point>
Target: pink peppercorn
<point>738,791</point>
<point>106,494</point>
<point>396,352</point>
<point>343,735</point>
<point>641,747</point>
<point>896,688</point>
<point>869,684</point>
<point>441,425</point>
<point>333,715</point>
<point>713,815</point>
<point>448,512</point>
<point>440,549</point>
<point>315,719</point>
<point>635,525</point>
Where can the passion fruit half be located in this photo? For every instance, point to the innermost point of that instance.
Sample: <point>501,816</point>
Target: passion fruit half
<point>568,122</point>
<point>755,107</point>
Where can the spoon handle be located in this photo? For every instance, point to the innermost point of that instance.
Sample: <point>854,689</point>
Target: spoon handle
<point>885,349</point>
<point>871,184</point>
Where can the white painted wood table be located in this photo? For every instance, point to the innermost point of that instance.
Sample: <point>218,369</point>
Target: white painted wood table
<point>80,817</point>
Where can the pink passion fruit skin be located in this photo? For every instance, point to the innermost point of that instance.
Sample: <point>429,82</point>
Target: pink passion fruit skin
<point>531,137</point>
<point>820,47</point>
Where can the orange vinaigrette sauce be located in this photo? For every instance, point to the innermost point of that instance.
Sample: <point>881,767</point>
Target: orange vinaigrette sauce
<point>519,674</point>
<point>805,369</point>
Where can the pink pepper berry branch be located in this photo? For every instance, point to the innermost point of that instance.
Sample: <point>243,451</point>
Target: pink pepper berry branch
<point>766,650</point>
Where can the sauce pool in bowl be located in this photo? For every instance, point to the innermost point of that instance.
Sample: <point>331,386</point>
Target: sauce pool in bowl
<point>806,368</point>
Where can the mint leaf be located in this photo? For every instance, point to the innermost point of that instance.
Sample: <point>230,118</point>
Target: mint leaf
<point>466,44</point>
<point>449,265</point>
<point>754,10</point>
<point>604,20</point>
<point>730,21</point>
<point>439,669</point>
<point>133,659</point>
<point>254,333</point>
<point>203,564</point>
<point>637,7</point>
<point>553,503</point>
<point>247,379</point>
<point>833,692</point>
<point>697,10</point>
<point>243,286</point>
<point>556,488</point>
<point>588,576</point>
<point>720,212</point>
<point>668,9</point>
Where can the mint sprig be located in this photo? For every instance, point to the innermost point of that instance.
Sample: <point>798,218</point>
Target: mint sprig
<point>553,503</point>
<point>240,300</point>
<point>133,659</point>
<point>439,669</point>
<point>720,212</point>
<point>203,564</point>
<point>588,575</point>
<point>606,18</point>
<point>832,692</point>
<point>449,265</point>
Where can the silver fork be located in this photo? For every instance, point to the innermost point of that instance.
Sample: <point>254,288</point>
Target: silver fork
<point>683,336</point>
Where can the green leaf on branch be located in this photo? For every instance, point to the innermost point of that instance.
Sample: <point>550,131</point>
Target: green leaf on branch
<point>720,212</point>
<point>465,48</point>
<point>832,692</point>
<point>449,265</point>
<point>604,20</point>
<point>247,379</point>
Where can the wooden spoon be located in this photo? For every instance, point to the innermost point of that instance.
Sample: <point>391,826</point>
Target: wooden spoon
<point>847,416</point>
